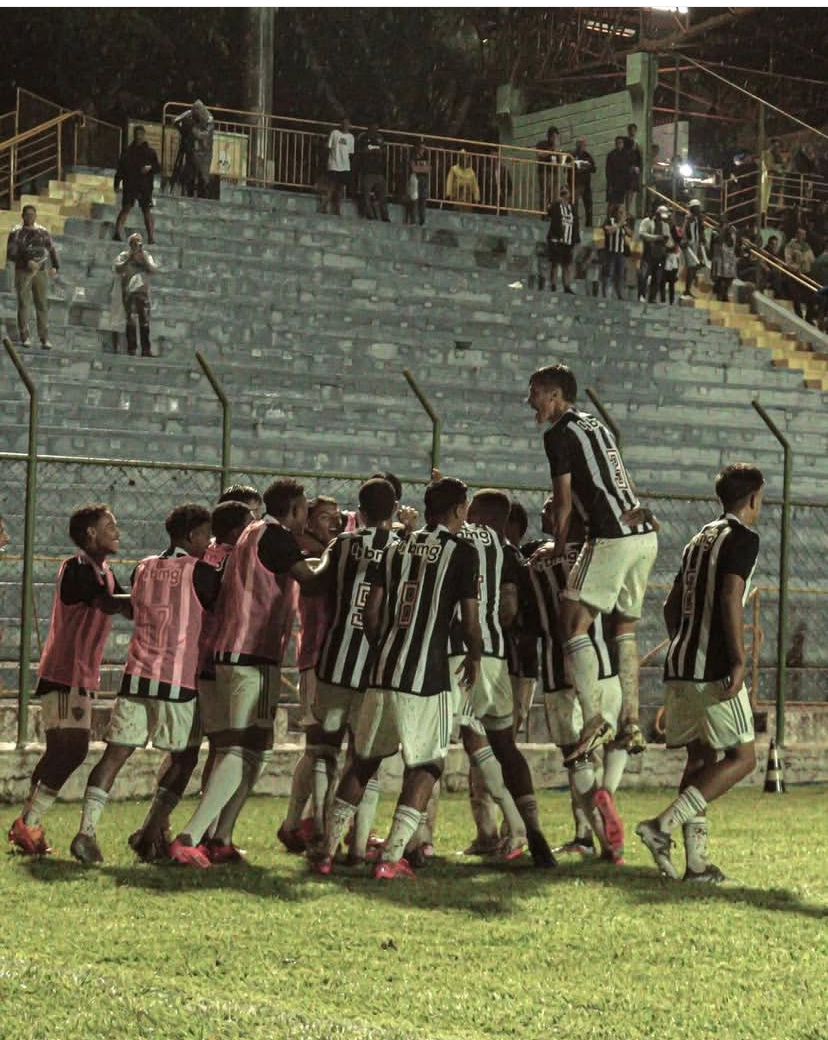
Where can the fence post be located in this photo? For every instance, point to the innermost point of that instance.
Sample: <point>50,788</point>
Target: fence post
<point>784,569</point>
<point>436,422</point>
<point>27,584</point>
<point>605,415</point>
<point>226,417</point>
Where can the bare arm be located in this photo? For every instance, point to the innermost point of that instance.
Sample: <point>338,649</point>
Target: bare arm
<point>469,669</point>
<point>312,574</point>
<point>733,622</point>
<point>508,605</point>
<point>561,508</point>
<point>372,614</point>
<point>672,609</point>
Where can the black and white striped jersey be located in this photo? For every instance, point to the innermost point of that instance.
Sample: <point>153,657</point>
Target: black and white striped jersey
<point>563,224</point>
<point>345,658</point>
<point>615,240</point>
<point>698,651</point>
<point>549,577</point>
<point>495,568</point>
<point>579,444</point>
<point>425,576</point>
<point>522,637</point>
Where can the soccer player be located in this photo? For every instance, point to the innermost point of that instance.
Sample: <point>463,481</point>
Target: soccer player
<point>157,699</point>
<point>707,708</point>
<point>247,495</point>
<point>414,592</point>
<point>611,572</point>
<point>485,711</point>
<point>257,605</point>
<point>69,672</point>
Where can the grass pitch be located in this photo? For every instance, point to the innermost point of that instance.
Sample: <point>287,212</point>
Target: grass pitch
<point>588,952</point>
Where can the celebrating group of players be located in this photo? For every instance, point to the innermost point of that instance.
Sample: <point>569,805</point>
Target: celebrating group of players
<point>408,638</point>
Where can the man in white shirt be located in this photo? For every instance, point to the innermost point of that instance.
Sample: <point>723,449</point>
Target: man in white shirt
<point>340,150</point>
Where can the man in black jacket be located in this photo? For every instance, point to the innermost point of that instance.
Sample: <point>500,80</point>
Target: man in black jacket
<point>584,169</point>
<point>562,237</point>
<point>136,169</point>
<point>618,173</point>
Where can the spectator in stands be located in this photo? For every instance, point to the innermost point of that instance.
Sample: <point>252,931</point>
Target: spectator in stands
<point>373,185</point>
<point>723,260</point>
<point>636,164</point>
<point>195,154</point>
<point>768,276</point>
<point>461,183</point>
<point>340,150</point>
<point>419,184</point>
<point>804,160</point>
<point>549,160</point>
<point>693,245</point>
<point>657,234</point>
<point>800,258</point>
<point>774,167</point>
<point>818,230</point>
<point>670,273</point>
<point>501,181</point>
<point>31,250</point>
<point>584,169</point>
<point>134,267</point>
<point>617,237</point>
<point>618,173</point>
<point>562,237</point>
<point>136,170</point>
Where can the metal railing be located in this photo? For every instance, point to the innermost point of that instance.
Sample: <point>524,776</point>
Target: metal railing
<point>279,151</point>
<point>34,156</point>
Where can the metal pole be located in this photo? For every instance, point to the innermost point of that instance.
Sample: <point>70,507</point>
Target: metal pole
<point>605,415</point>
<point>226,417</point>
<point>784,568</point>
<point>762,173</point>
<point>675,163</point>
<point>27,590</point>
<point>436,422</point>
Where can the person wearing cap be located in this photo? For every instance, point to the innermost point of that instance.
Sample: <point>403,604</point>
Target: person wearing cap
<point>134,266</point>
<point>657,234</point>
<point>693,245</point>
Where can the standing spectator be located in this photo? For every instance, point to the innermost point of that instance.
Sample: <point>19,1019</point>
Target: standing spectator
<point>419,183</point>
<point>134,267</point>
<point>616,250</point>
<point>657,234</point>
<point>769,276</point>
<point>461,183</point>
<point>549,159</point>
<point>502,181</point>
<point>195,156</point>
<point>723,260</point>
<point>799,257</point>
<point>693,245</point>
<point>31,250</point>
<point>340,150</point>
<point>371,154</point>
<point>635,166</point>
<point>562,237</point>
<point>618,173</point>
<point>584,169</point>
<point>136,170</point>
<point>670,273</point>
<point>774,166</point>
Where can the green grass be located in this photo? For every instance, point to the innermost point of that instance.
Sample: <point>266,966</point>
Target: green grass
<point>585,953</point>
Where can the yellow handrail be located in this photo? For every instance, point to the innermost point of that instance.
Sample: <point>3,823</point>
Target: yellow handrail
<point>26,135</point>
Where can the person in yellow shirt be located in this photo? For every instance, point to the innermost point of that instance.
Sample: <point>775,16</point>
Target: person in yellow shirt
<point>461,183</point>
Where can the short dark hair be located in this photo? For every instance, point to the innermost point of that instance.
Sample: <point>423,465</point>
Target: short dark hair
<point>631,126</point>
<point>321,500</point>
<point>138,130</point>
<point>183,520</point>
<point>621,138</point>
<point>737,482</point>
<point>280,496</point>
<point>377,498</point>
<point>393,480</point>
<point>240,493</point>
<point>553,130</point>
<point>84,518</point>
<point>494,504</point>
<point>28,206</point>
<point>227,516</point>
<point>558,377</point>
<point>519,517</point>
<point>442,496</point>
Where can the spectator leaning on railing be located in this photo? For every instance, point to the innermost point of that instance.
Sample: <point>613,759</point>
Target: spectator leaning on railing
<point>548,168</point>
<point>461,182</point>
<point>340,152</point>
<point>31,250</point>
<point>419,184</point>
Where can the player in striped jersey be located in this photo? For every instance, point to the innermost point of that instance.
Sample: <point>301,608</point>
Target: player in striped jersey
<point>407,615</point>
<point>610,575</point>
<point>484,713</point>
<point>707,707</point>
<point>157,699</point>
<point>69,672</point>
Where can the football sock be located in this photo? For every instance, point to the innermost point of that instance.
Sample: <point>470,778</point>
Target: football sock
<point>429,821</point>
<point>583,830</point>
<point>40,801</point>
<point>324,774</point>
<point>365,814</point>
<point>482,805</point>
<point>492,775</point>
<point>222,785</point>
<point>626,648</point>
<point>528,808</point>
<point>337,824</point>
<point>252,765</point>
<point>696,843</point>
<point>615,761</point>
<point>94,803</point>
<point>406,822</point>
<point>301,788</point>
<point>163,804</point>
<point>690,803</point>
<point>582,665</point>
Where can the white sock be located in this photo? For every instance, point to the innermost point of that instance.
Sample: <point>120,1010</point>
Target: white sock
<point>482,806</point>
<point>492,774</point>
<point>366,811</point>
<point>583,827</point>
<point>94,803</point>
<point>582,667</point>
<point>222,785</point>
<point>252,766</point>
<point>40,801</point>
<point>406,822</point>
<point>301,788</point>
<point>696,843</point>
<point>626,648</point>
<point>583,787</point>
<point>690,803</point>
<point>615,762</point>
<point>337,824</point>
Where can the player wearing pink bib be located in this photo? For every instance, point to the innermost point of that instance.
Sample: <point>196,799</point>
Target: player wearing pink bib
<point>69,672</point>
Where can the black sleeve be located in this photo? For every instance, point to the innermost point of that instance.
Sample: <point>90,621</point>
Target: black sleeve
<point>556,443</point>
<point>466,572</point>
<point>279,550</point>
<point>207,583</point>
<point>739,553</point>
<point>79,584</point>
<point>511,566</point>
